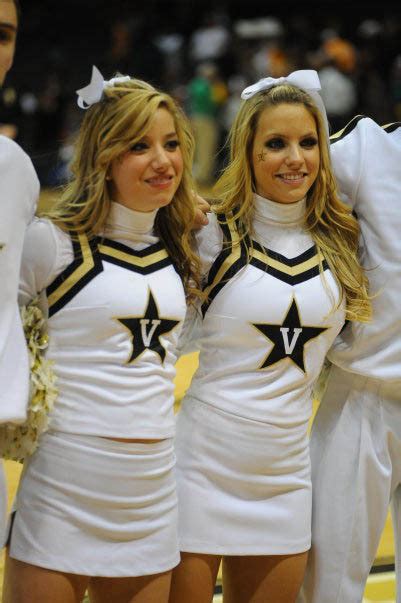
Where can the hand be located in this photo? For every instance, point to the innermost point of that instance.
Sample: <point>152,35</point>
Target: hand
<point>203,207</point>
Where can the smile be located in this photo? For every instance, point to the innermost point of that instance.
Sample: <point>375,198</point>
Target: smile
<point>294,178</point>
<point>159,180</point>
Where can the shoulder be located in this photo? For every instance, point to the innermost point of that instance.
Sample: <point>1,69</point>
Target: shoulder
<point>43,237</point>
<point>9,148</point>
<point>18,178</point>
<point>361,126</point>
<point>366,140</point>
<point>47,252</point>
<point>11,154</point>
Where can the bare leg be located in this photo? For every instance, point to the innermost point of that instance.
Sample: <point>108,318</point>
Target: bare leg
<point>194,578</point>
<point>144,589</point>
<point>26,583</point>
<point>263,579</point>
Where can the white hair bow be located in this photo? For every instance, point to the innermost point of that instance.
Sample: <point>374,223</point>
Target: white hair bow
<point>306,79</point>
<point>93,92</point>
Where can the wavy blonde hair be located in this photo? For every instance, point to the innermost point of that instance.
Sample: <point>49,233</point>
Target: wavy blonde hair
<point>330,222</point>
<point>108,130</point>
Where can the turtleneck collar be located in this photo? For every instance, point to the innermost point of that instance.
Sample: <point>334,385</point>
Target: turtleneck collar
<point>131,225</point>
<point>280,213</point>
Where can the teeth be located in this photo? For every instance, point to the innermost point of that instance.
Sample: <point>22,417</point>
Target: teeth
<point>291,176</point>
<point>159,180</point>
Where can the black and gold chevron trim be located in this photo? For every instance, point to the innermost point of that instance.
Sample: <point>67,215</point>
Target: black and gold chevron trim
<point>144,261</point>
<point>85,266</point>
<point>354,122</point>
<point>230,260</point>
<point>392,127</point>
<point>290,270</point>
<point>347,129</point>
<point>88,262</point>
<point>234,257</point>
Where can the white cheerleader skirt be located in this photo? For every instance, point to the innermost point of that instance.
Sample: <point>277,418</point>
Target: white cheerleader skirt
<point>92,506</point>
<point>244,487</point>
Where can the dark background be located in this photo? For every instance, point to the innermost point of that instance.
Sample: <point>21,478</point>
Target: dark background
<point>59,42</point>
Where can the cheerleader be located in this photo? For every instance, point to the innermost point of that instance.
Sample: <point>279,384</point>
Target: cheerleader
<point>112,266</point>
<point>281,276</point>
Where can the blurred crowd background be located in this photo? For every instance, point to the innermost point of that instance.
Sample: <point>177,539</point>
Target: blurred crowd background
<point>204,54</point>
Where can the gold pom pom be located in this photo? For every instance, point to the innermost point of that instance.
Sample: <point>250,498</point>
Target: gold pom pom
<point>19,441</point>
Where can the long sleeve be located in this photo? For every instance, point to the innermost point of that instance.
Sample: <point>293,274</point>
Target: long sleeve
<point>19,189</point>
<point>209,242</point>
<point>367,159</point>
<point>42,259</point>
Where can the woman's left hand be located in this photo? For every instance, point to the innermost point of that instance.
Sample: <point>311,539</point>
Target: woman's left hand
<point>203,207</point>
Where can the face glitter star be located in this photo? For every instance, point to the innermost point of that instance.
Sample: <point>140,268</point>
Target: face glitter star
<point>261,156</point>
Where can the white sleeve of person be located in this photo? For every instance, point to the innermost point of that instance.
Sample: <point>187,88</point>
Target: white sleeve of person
<point>42,259</point>
<point>189,336</point>
<point>19,190</point>
<point>209,241</point>
<point>367,160</point>
<point>347,151</point>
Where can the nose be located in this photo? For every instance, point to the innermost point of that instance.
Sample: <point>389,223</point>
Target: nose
<point>294,155</point>
<point>160,158</point>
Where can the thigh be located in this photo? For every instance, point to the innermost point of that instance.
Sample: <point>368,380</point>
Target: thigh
<point>194,578</point>
<point>142,589</point>
<point>263,579</point>
<point>26,583</point>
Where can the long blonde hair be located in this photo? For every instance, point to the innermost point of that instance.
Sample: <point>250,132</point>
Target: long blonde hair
<point>330,222</point>
<point>108,130</point>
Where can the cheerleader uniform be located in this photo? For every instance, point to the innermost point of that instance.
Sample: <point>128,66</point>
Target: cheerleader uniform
<point>19,190</point>
<point>243,473</point>
<point>87,504</point>
<point>356,437</point>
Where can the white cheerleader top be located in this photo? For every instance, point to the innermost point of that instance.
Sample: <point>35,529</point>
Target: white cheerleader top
<point>19,190</point>
<point>367,165</point>
<point>267,324</point>
<point>115,306</point>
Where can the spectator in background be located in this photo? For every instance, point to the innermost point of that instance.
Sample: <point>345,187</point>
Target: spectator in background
<point>336,62</point>
<point>374,76</point>
<point>210,41</point>
<point>206,95</point>
<point>339,94</point>
<point>133,50</point>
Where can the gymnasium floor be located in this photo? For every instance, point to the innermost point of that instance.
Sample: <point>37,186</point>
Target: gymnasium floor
<point>381,585</point>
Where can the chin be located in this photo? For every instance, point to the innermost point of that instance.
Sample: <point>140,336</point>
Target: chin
<point>163,203</point>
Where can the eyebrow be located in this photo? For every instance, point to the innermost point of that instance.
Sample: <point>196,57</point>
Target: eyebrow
<point>169,135</point>
<point>10,26</point>
<point>278,133</point>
